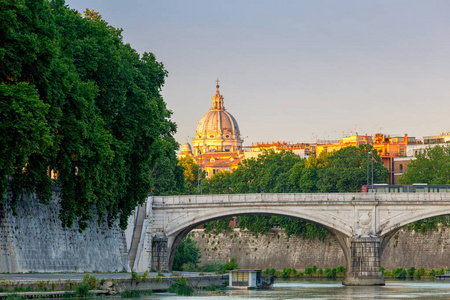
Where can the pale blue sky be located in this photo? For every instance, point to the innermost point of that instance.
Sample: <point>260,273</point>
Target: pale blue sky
<point>297,70</point>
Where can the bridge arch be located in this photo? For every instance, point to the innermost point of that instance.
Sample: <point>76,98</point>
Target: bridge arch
<point>321,218</point>
<point>394,224</point>
<point>175,234</point>
<point>397,222</point>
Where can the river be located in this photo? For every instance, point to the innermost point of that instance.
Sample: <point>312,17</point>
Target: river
<point>323,289</point>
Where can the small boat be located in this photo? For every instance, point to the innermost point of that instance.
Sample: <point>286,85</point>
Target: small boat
<point>268,284</point>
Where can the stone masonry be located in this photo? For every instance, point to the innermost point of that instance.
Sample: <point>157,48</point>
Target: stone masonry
<point>406,248</point>
<point>34,241</point>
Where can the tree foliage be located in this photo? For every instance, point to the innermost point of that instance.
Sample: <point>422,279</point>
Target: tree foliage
<point>187,253</point>
<point>431,166</point>
<point>346,170</point>
<point>191,172</point>
<point>77,100</point>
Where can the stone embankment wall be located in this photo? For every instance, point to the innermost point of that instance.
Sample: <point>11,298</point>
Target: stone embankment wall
<point>34,241</point>
<point>272,250</point>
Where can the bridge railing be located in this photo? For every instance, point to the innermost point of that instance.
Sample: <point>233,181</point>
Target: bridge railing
<point>337,198</point>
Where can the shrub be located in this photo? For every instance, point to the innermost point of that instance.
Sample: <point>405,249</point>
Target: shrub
<point>42,286</point>
<point>230,265</point>
<point>331,273</point>
<point>82,290</point>
<point>269,271</point>
<point>308,271</point>
<point>320,271</point>
<point>340,269</point>
<point>189,267</point>
<point>410,272</point>
<point>420,272</point>
<point>180,287</point>
<point>441,271</point>
<point>432,272</point>
<point>399,273</point>
<point>91,281</point>
<point>286,272</point>
<point>214,266</point>
<point>314,268</point>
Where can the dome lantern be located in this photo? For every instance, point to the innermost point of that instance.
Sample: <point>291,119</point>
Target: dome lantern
<point>217,99</point>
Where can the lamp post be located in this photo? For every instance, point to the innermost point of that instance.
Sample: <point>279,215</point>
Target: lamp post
<point>370,152</point>
<point>199,175</point>
<point>372,167</point>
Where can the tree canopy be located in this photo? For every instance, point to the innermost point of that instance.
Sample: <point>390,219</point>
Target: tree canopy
<point>431,166</point>
<point>74,98</point>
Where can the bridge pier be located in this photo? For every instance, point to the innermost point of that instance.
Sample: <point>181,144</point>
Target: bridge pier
<point>160,253</point>
<point>363,263</point>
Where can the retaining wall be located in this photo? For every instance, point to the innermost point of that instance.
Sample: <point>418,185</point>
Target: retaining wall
<point>272,250</point>
<point>34,241</point>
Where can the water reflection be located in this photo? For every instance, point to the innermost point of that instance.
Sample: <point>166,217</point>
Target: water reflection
<point>319,289</point>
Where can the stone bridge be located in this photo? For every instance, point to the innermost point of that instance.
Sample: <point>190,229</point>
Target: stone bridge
<point>361,223</point>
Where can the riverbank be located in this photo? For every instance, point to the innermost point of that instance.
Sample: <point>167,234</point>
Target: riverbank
<point>69,284</point>
<point>339,272</point>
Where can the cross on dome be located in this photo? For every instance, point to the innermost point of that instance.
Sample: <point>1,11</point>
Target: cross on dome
<point>217,102</point>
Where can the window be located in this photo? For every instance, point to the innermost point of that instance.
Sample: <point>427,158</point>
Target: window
<point>240,276</point>
<point>401,168</point>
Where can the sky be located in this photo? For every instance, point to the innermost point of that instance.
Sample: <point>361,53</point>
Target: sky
<point>297,71</point>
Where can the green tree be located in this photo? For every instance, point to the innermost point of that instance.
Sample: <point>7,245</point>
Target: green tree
<point>190,172</point>
<point>167,174</point>
<point>24,131</point>
<point>79,101</point>
<point>431,166</point>
<point>187,253</point>
<point>231,264</point>
<point>346,170</point>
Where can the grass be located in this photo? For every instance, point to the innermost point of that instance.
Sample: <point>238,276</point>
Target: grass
<point>181,287</point>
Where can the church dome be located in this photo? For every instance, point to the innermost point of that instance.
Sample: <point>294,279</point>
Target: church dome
<point>186,147</point>
<point>217,130</point>
<point>217,123</point>
<point>186,150</point>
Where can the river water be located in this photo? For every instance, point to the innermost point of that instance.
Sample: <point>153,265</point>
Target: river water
<point>322,289</point>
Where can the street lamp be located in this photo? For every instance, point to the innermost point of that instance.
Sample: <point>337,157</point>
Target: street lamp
<point>370,152</point>
<point>199,175</point>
